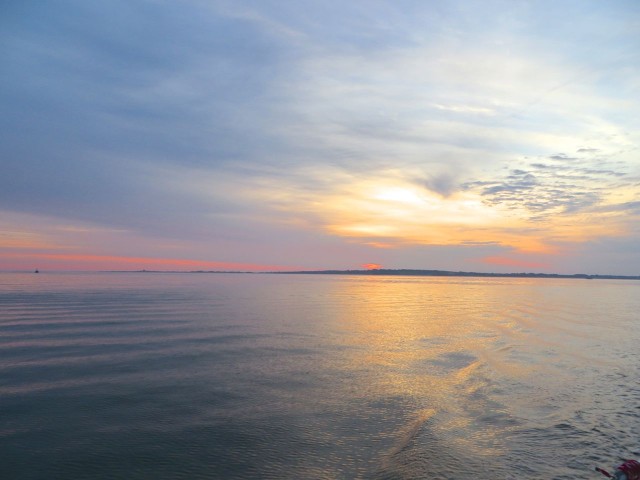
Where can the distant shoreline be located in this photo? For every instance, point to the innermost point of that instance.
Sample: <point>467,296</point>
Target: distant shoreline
<point>402,272</point>
<point>411,273</point>
<point>445,273</point>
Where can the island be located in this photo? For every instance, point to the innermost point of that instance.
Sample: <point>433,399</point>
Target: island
<point>446,273</point>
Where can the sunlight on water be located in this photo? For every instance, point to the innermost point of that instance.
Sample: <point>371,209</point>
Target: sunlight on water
<point>300,376</point>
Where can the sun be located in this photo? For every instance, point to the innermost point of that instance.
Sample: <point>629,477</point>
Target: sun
<point>372,266</point>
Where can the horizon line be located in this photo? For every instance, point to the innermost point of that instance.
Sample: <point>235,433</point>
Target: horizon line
<point>376,271</point>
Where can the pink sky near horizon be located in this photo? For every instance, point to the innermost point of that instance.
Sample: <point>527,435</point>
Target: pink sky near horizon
<point>87,262</point>
<point>70,262</point>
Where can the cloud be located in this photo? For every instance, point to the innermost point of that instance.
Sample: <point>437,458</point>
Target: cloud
<point>94,107</point>
<point>548,190</point>
<point>562,158</point>
<point>466,109</point>
<point>626,207</point>
<point>444,184</point>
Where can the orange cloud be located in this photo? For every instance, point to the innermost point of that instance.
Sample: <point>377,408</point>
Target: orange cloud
<point>54,261</point>
<point>379,244</point>
<point>389,211</point>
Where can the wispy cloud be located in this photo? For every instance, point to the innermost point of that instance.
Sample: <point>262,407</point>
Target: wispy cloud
<point>560,186</point>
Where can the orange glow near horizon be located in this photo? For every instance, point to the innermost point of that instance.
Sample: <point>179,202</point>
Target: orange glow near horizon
<point>389,212</point>
<point>513,262</point>
<point>382,212</point>
<point>55,261</point>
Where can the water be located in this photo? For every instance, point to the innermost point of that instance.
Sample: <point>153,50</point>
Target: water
<point>195,376</point>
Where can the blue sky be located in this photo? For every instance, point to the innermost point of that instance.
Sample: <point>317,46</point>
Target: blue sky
<point>486,136</point>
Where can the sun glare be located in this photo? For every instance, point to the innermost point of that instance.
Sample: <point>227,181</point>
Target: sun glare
<point>399,195</point>
<point>405,213</point>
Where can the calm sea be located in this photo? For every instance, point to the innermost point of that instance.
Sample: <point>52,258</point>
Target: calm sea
<point>194,376</point>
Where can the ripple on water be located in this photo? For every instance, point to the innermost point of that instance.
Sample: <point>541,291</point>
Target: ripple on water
<point>213,376</point>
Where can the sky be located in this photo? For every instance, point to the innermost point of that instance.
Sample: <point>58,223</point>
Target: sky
<point>488,136</point>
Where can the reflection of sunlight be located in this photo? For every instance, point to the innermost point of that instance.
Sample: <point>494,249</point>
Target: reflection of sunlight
<point>423,341</point>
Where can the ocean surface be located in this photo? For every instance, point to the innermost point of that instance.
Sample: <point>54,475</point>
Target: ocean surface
<point>253,376</point>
